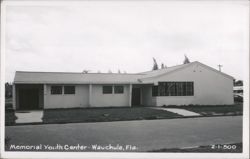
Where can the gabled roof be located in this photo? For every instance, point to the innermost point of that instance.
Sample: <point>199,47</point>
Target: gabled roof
<point>158,72</point>
<point>97,78</point>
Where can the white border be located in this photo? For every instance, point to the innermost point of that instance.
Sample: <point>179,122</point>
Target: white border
<point>2,81</point>
<point>4,154</point>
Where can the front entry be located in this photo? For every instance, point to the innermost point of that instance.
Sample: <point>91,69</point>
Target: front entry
<point>28,99</point>
<point>136,96</point>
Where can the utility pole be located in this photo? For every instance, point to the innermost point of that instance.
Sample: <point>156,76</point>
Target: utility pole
<point>220,67</point>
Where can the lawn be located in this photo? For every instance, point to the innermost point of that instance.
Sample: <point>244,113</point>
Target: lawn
<point>104,114</point>
<point>75,115</point>
<point>214,110</point>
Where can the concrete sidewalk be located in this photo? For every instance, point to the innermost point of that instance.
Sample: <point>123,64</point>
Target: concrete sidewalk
<point>182,112</point>
<point>34,116</point>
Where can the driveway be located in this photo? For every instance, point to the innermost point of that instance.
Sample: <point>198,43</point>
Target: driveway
<point>146,135</point>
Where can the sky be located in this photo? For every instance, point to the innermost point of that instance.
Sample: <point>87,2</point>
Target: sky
<point>125,35</point>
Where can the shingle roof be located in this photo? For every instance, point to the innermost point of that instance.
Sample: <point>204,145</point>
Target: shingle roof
<point>97,78</point>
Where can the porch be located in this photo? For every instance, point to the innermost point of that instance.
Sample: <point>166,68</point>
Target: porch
<point>28,97</point>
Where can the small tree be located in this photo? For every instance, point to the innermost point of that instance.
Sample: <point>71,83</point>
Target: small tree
<point>162,65</point>
<point>186,60</point>
<point>85,71</point>
<point>238,83</point>
<point>155,66</point>
<point>8,90</point>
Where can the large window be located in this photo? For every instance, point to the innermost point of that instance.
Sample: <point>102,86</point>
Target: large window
<point>69,89</point>
<point>56,89</point>
<point>107,89</point>
<point>173,89</point>
<point>119,89</point>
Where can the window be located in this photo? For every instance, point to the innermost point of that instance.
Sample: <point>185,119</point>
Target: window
<point>119,89</point>
<point>154,91</point>
<point>69,89</point>
<point>171,89</point>
<point>180,88</point>
<point>176,89</point>
<point>161,88</point>
<point>190,89</point>
<point>56,89</point>
<point>107,89</point>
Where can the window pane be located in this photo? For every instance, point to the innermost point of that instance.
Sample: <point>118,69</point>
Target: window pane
<point>69,89</point>
<point>119,89</point>
<point>107,89</point>
<point>179,88</point>
<point>162,88</point>
<point>184,88</point>
<point>167,90</point>
<point>56,89</point>
<point>172,89</point>
<point>190,89</point>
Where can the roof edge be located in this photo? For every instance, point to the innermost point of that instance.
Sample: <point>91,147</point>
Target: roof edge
<point>212,69</point>
<point>78,73</point>
<point>190,64</point>
<point>187,65</point>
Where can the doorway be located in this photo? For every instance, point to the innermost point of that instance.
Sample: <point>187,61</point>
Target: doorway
<point>29,99</point>
<point>136,96</point>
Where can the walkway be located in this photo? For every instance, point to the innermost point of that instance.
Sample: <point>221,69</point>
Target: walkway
<point>182,112</point>
<point>34,116</point>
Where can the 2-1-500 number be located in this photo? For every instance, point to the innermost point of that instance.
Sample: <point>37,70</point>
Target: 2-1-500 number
<point>225,147</point>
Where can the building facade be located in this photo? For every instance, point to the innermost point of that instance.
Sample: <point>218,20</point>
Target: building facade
<point>193,83</point>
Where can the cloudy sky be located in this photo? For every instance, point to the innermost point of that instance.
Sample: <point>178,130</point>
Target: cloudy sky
<point>125,35</point>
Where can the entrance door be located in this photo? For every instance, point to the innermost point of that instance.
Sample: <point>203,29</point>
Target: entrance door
<point>28,99</point>
<point>136,96</point>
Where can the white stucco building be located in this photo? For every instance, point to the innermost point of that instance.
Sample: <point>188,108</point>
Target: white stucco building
<point>192,83</point>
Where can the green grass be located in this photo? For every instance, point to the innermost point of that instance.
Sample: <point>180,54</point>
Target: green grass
<point>224,148</point>
<point>104,114</point>
<point>214,110</point>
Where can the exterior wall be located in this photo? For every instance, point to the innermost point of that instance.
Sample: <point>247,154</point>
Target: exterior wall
<point>108,100</point>
<point>79,99</point>
<point>210,87</point>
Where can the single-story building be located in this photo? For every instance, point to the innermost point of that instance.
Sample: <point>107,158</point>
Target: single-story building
<point>192,83</point>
